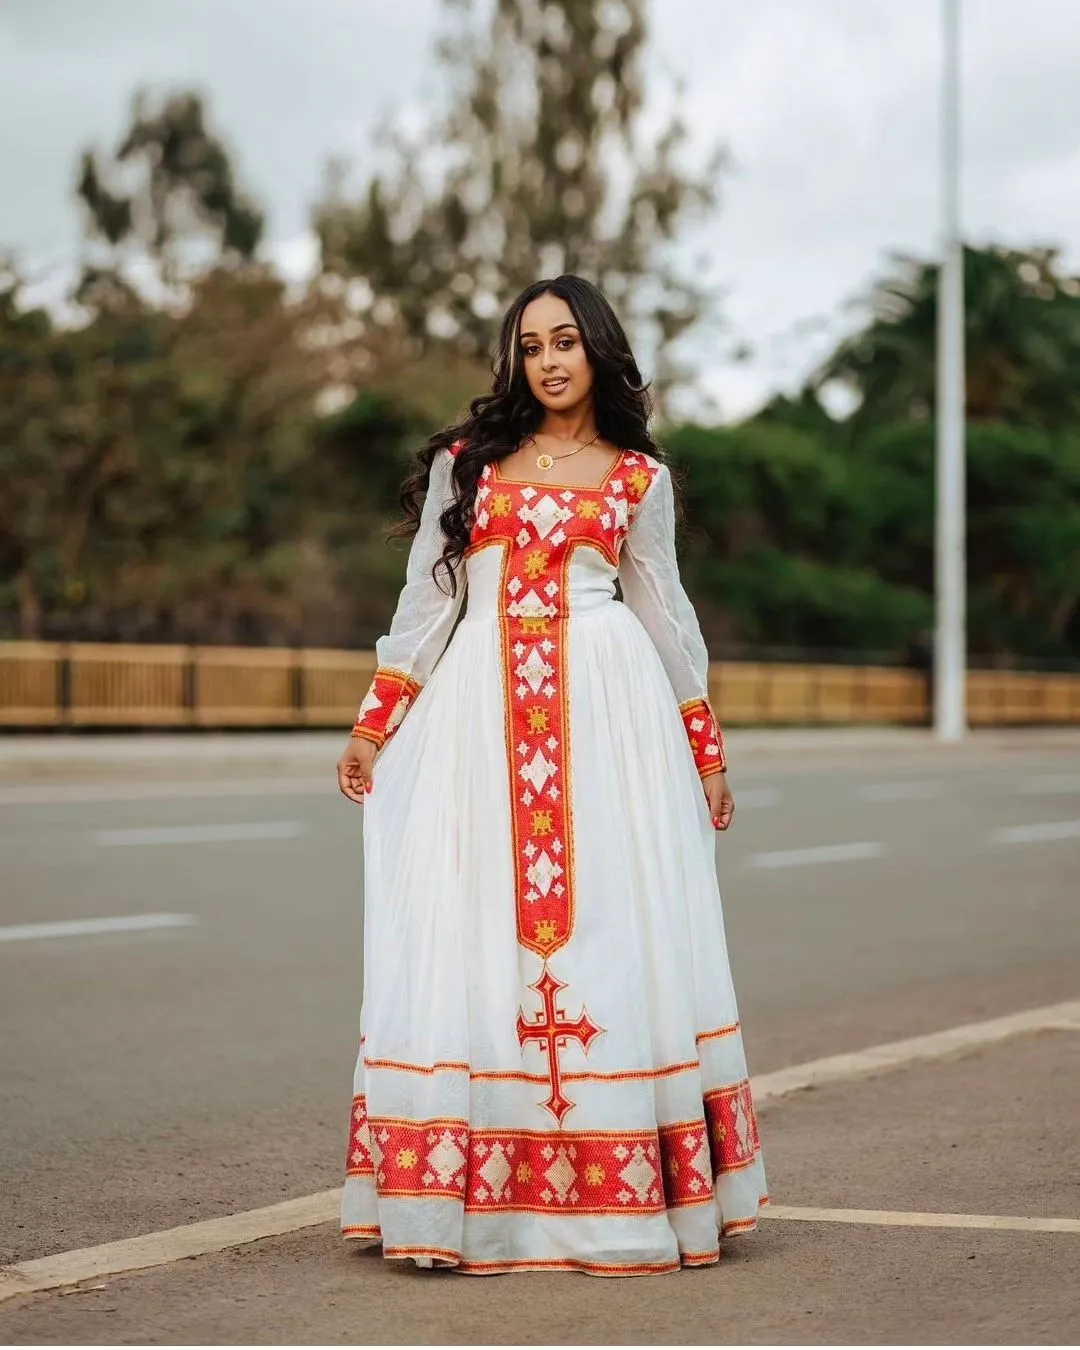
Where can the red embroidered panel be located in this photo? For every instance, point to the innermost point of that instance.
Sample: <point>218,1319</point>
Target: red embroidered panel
<point>541,526</point>
<point>705,737</point>
<point>733,1128</point>
<point>385,704</point>
<point>581,1172</point>
<point>409,1158</point>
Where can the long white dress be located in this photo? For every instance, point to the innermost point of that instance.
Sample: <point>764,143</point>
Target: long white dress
<point>551,1071</point>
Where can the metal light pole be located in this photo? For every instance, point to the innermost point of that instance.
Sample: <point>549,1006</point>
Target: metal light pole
<point>950,719</point>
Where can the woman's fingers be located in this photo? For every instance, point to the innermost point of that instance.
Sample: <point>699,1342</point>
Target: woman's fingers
<point>721,803</point>
<point>353,780</point>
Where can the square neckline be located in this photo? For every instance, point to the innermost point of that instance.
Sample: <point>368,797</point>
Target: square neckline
<point>565,487</point>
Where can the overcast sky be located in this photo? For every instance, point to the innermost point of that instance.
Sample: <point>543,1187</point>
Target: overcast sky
<point>828,107</point>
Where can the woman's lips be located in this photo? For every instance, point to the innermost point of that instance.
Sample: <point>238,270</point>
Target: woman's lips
<point>555,386</point>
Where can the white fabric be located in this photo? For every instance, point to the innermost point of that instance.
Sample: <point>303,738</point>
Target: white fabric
<point>651,586</point>
<point>425,614</point>
<point>445,976</point>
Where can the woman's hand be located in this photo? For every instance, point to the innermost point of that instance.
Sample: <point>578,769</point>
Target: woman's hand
<point>721,802</point>
<point>354,769</point>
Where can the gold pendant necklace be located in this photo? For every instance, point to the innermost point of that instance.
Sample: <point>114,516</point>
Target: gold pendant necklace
<point>544,461</point>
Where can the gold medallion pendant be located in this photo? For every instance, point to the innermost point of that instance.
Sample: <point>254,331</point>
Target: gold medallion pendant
<point>545,462</point>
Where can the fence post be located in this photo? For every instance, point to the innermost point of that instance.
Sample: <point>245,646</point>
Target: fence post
<point>298,685</point>
<point>63,685</point>
<point>190,690</point>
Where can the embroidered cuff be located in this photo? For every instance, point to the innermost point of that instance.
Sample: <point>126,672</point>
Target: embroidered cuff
<point>385,704</point>
<point>705,737</point>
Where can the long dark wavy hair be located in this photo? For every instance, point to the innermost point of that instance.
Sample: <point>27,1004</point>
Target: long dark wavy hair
<point>498,422</point>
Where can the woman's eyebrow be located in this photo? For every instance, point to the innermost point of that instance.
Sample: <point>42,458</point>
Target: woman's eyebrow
<point>559,327</point>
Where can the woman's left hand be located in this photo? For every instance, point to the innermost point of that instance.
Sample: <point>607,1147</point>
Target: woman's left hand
<point>721,802</point>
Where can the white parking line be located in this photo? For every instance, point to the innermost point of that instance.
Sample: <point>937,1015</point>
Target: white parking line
<point>172,1244</point>
<point>897,1054</point>
<point>823,853</point>
<point>245,832</point>
<point>123,923</point>
<point>900,790</point>
<point>1044,833</point>
<point>907,1219</point>
<point>67,794</point>
<point>235,1230</point>
<point>1051,783</point>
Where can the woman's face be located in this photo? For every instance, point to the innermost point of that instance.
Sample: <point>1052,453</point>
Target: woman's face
<point>556,366</point>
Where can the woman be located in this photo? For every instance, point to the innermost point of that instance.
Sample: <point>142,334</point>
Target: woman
<point>551,1073</point>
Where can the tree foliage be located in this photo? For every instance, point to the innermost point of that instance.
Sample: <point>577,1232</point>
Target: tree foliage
<point>168,193</point>
<point>539,165</point>
<point>1022,336</point>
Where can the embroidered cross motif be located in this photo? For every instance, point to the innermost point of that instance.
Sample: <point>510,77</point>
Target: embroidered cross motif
<point>554,1031</point>
<point>535,564</point>
<point>538,719</point>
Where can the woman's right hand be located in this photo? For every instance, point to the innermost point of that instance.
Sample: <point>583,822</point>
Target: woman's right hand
<point>354,769</point>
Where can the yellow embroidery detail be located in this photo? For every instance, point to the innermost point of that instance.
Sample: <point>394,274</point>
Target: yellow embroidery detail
<point>500,504</point>
<point>673,1167</point>
<point>720,1132</point>
<point>524,1173</point>
<point>547,930</point>
<point>541,822</point>
<point>538,719</point>
<point>637,481</point>
<point>595,1174</point>
<point>588,510</point>
<point>535,564</point>
<point>407,1159</point>
<point>534,627</point>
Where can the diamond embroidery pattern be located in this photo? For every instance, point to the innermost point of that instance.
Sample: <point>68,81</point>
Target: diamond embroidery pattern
<point>496,1172</point>
<point>639,1174</point>
<point>446,1158</point>
<point>561,1175</point>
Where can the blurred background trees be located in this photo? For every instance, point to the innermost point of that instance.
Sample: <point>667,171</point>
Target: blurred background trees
<point>196,450</point>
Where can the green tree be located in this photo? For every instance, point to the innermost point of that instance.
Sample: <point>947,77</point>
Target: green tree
<point>1022,334</point>
<point>539,165</point>
<point>778,542</point>
<point>169,193</point>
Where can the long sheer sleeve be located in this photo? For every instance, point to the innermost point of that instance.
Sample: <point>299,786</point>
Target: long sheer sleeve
<point>652,588</point>
<point>422,622</point>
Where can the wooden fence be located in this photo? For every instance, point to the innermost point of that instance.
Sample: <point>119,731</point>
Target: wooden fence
<point>46,684</point>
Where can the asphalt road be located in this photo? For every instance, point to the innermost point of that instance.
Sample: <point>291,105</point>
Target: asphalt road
<point>153,1077</point>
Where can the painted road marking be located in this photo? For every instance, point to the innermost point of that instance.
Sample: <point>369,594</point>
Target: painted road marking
<point>897,1054</point>
<point>902,790</point>
<point>236,1230</point>
<point>1044,833</point>
<point>1051,783</point>
<point>123,923</point>
<point>241,833</point>
<point>823,853</point>
<point>905,1219</point>
<point>173,1244</point>
<point>77,794</point>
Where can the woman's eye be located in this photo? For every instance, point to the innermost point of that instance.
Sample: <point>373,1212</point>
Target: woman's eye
<point>564,344</point>
<point>531,351</point>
